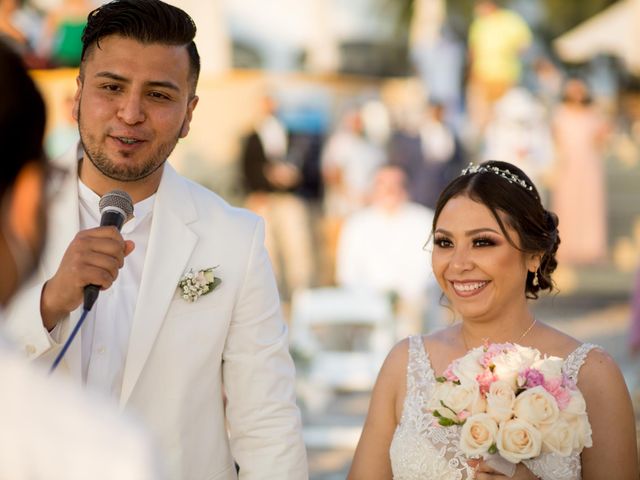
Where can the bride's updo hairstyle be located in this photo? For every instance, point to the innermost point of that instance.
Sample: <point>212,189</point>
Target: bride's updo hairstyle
<point>503,187</point>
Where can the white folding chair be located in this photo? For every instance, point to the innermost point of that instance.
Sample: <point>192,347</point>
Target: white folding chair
<point>342,336</point>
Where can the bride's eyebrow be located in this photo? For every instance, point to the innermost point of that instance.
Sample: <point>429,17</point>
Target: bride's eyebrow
<point>469,233</point>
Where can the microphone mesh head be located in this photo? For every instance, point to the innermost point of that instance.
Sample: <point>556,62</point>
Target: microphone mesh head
<point>118,199</point>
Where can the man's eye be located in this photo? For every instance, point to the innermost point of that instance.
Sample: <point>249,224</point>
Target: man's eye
<point>158,96</point>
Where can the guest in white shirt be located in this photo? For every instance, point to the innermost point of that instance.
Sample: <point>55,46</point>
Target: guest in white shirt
<point>382,247</point>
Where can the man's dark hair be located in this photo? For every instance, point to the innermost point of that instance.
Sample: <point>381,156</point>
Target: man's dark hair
<point>147,21</point>
<point>22,118</point>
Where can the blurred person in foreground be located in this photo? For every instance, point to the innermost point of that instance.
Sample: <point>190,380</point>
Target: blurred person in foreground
<point>380,249</point>
<point>494,251</point>
<point>50,430</point>
<point>189,305</point>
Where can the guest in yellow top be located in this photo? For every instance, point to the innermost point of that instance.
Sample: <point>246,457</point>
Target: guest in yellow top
<point>497,38</point>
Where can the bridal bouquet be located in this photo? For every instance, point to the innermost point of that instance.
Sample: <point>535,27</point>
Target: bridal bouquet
<point>511,401</point>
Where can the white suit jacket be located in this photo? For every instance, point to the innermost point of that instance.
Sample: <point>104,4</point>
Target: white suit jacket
<point>183,355</point>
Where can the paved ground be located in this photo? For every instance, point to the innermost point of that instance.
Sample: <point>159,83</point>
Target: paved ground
<point>331,434</point>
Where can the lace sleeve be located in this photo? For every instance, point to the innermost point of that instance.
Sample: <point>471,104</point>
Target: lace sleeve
<point>575,360</point>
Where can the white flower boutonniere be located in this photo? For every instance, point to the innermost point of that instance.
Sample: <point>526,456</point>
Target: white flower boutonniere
<point>194,285</point>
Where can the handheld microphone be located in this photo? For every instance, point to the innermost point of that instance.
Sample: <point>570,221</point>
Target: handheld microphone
<point>116,207</point>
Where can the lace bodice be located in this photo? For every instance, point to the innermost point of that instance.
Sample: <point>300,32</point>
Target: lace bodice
<point>422,449</point>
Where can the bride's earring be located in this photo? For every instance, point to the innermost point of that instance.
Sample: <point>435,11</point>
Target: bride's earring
<point>535,282</point>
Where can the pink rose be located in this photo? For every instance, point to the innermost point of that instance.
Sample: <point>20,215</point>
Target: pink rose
<point>560,393</point>
<point>449,375</point>
<point>485,379</point>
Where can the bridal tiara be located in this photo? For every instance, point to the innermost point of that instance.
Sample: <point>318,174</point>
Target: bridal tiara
<point>504,173</point>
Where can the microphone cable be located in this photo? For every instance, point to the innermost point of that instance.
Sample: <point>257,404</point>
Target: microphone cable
<point>55,363</point>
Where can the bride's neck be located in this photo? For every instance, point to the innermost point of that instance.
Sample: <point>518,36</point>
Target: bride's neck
<point>513,328</point>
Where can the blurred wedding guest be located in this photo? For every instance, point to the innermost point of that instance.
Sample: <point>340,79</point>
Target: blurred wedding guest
<point>439,61</point>
<point>497,39</point>
<point>429,152</point>
<point>382,248</point>
<point>49,430</point>
<point>272,174</point>
<point>579,190</point>
<point>519,130</point>
<point>8,29</point>
<point>349,161</point>
<point>62,33</point>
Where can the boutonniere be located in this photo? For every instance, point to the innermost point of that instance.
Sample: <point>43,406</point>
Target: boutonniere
<point>195,284</point>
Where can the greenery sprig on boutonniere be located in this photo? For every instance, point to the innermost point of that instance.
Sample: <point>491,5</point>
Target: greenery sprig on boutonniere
<point>195,284</point>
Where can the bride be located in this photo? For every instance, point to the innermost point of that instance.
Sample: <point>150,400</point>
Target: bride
<point>494,249</point>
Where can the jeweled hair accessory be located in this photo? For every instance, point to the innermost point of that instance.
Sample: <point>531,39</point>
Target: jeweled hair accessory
<point>504,173</point>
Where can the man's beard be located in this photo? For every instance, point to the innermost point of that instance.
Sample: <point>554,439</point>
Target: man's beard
<point>125,173</point>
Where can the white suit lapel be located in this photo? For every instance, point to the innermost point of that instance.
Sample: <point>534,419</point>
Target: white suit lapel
<point>171,243</point>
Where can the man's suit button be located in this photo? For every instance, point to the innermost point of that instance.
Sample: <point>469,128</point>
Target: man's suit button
<point>30,349</point>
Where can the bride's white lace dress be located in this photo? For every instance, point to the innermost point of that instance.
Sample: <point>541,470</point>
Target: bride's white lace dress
<point>421,449</point>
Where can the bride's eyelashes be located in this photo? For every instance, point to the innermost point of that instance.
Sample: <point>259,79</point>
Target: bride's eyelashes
<point>484,242</point>
<point>442,242</point>
<point>481,241</point>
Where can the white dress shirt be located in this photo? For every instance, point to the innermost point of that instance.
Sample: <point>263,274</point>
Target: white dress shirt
<point>107,328</point>
<point>385,252</point>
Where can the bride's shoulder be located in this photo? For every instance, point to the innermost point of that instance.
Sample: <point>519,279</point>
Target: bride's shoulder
<point>552,341</point>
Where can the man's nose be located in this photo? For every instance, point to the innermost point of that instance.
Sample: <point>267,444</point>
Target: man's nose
<point>131,109</point>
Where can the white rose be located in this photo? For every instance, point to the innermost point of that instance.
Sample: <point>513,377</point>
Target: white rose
<point>440,393</point>
<point>536,406</point>
<point>454,400</point>
<point>528,355</point>
<point>518,440</point>
<point>550,367</point>
<point>558,438</point>
<point>477,434</point>
<point>500,400</point>
<point>509,364</point>
<point>468,367</point>
<point>581,427</point>
<point>577,405</point>
<point>461,397</point>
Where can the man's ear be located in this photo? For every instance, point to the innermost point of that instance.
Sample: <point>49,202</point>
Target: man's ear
<point>184,130</point>
<point>76,98</point>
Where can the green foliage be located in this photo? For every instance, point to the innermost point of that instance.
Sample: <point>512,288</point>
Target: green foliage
<point>563,15</point>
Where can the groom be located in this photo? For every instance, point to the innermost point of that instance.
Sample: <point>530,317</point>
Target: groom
<point>168,360</point>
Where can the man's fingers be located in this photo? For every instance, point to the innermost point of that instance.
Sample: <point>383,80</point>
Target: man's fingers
<point>129,247</point>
